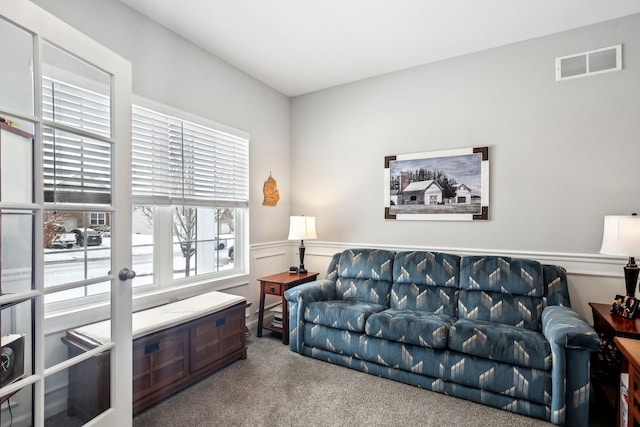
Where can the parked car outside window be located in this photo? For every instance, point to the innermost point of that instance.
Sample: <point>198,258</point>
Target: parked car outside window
<point>92,237</point>
<point>62,238</point>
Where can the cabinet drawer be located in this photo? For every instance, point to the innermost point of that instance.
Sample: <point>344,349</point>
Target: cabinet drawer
<point>216,336</point>
<point>158,360</point>
<point>274,288</point>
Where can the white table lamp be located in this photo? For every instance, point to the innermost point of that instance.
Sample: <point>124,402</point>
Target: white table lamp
<point>621,237</point>
<point>302,228</point>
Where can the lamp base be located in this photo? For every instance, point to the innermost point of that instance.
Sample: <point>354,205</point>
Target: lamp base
<point>302,270</point>
<point>631,271</point>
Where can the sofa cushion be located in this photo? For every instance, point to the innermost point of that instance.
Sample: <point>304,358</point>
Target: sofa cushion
<point>504,343</point>
<point>365,275</point>
<point>410,326</point>
<point>501,289</point>
<point>426,281</point>
<point>347,315</point>
<point>556,290</point>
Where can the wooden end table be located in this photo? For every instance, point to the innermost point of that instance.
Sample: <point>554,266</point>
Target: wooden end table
<point>605,364</point>
<point>277,284</point>
<point>630,350</point>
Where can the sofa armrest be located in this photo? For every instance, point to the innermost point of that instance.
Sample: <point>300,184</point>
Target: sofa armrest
<point>318,290</point>
<point>297,300</point>
<point>566,328</point>
<point>571,340</point>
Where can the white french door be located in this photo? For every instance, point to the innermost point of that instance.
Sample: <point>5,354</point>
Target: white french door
<point>66,162</point>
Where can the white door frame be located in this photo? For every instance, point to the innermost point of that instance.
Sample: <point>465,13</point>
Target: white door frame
<point>48,27</point>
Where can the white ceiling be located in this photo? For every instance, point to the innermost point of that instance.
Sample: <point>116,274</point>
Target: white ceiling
<point>300,46</point>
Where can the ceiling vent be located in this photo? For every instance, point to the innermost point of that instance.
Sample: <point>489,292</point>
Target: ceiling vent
<point>589,63</point>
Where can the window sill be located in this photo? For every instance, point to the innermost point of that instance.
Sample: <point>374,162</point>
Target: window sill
<point>62,320</point>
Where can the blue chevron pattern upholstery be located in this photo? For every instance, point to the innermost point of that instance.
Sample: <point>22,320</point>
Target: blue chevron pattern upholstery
<point>365,275</point>
<point>556,290</point>
<point>347,315</point>
<point>495,330</point>
<point>497,341</point>
<point>411,326</point>
<point>426,281</point>
<point>502,290</point>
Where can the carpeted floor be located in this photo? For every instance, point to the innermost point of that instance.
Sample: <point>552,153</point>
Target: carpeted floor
<point>276,387</point>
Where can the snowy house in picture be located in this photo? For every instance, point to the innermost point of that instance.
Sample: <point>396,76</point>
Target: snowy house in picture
<point>422,193</point>
<point>463,194</point>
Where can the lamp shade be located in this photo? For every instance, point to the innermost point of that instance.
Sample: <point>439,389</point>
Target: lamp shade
<point>621,235</point>
<point>302,228</point>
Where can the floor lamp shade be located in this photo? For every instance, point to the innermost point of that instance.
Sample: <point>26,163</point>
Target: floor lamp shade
<point>621,237</point>
<point>302,228</point>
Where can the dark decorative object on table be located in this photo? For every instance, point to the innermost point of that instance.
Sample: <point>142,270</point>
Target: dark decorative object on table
<point>624,306</point>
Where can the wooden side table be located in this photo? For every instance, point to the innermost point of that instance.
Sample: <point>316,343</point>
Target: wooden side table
<point>630,350</point>
<point>277,284</point>
<point>605,364</point>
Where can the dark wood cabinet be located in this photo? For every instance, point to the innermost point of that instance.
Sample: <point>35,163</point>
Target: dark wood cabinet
<point>605,364</point>
<point>164,361</point>
<point>630,350</point>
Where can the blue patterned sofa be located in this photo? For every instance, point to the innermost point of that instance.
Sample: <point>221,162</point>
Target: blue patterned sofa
<point>494,330</point>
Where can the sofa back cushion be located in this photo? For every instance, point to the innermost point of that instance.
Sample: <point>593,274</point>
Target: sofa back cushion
<point>365,275</point>
<point>426,281</point>
<point>332,270</point>
<point>501,289</point>
<point>556,290</point>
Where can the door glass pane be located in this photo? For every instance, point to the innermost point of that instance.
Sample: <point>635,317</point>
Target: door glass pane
<point>74,92</point>
<point>102,289</point>
<point>16,334</point>
<point>77,169</point>
<point>88,326</point>
<point>16,165</point>
<point>19,414</point>
<point>16,72</point>
<point>74,250</point>
<point>88,385</point>
<point>142,245</point>
<point>16,231</point>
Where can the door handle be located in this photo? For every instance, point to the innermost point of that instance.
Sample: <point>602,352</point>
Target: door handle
<point>126,274</point>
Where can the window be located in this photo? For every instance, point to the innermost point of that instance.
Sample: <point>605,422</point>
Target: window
<point>190,191</point>
<point>190,196</point>
<point>98,218</point>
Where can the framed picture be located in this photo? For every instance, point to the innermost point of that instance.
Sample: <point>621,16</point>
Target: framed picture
<point>450,185</point>
<point>624,306</point>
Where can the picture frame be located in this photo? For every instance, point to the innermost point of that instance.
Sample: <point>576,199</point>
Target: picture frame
<point>446,185</point>
<point>625,306</point>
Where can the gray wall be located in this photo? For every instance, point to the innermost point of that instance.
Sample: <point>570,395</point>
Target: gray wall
<point>172,71</point>
<point>562,155</point>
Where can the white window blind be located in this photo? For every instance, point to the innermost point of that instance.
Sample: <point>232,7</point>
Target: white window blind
<point>175,162</point>
<point>77,168</point>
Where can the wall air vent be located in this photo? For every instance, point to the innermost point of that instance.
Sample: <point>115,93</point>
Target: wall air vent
<point>589,63</point>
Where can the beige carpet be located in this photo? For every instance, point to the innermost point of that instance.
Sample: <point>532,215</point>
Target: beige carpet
<point>276,387</point>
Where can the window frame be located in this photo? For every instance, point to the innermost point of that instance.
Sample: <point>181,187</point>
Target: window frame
<point>164,286</point>
<point>163,270</point>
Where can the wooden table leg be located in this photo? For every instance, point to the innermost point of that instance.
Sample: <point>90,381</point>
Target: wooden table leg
<point>261,310</point>
<point>285,321</point>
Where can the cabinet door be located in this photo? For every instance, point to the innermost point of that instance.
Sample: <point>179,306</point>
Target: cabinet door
<point>158,361</point>
<point>216,336</point>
